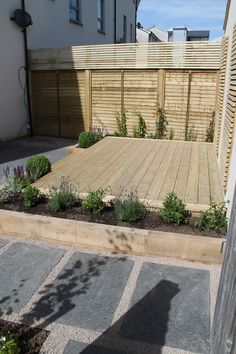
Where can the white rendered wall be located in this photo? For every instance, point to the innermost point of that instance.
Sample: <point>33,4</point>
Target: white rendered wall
<point>13,117</point>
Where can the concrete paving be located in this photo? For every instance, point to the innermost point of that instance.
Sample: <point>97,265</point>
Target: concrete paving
<point>16,152</point>
<point>96,303</point>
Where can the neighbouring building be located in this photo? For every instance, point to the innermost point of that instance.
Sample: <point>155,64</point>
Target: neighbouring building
<point>144,35</point>
<point>178,34</point>
<point>183,34</point>
<point>227,146</point>
<point>55,24</point>
<point>161,34</point>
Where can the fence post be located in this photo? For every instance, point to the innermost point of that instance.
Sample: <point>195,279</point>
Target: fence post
<point>88,100</point>
<point>58,103</point>
<point>122,92</point>
<point>161,88</point>
<point>188,104</point>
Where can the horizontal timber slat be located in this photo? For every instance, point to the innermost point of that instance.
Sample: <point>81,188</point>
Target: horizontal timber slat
<point>186,55</point>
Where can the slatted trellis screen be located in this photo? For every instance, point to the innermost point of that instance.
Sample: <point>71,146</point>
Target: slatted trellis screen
<point>228,127</point>
<point>182,55</point>
<point>221,91</point>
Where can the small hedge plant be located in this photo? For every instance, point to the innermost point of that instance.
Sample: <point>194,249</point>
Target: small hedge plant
<point>62,196</point>
<point>9,344</point>
<point>38,166</point>
<point>174,210</point>
<point>215,218</point>
<point>121,121</point>
<point>140,131</point>
<point>31,196</point>
<point>128,208</point>
<point>93,202</point>
<point>87,139</point>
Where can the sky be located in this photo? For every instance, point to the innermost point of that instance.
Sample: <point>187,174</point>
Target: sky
<point>194,14</point>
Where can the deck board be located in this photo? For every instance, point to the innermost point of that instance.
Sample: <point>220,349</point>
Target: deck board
<point>153,167</point>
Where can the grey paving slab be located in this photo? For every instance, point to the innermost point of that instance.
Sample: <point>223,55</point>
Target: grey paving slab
<point>170,306</point>
<point>17,152</point>
<point>23,268</point>
<point>77,348</point>
<point>86,293</point>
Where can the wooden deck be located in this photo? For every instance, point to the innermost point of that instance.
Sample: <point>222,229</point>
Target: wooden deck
<point>154,167</point>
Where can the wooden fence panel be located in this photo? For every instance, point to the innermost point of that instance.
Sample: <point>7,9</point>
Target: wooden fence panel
<point>141,95</point>
<point>176,101</point>
<point>73,119</point>
<point>44,91</point>
<point>202,102</point>
<point>221,92</point>
<point>106,99</point>
<point>229,118</point>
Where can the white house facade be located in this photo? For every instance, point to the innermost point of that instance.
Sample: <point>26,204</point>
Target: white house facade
<point>55,24</point>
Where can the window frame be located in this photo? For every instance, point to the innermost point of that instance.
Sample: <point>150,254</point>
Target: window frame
<point>101,17</point>
<point>131,33</point>
<point>125,29</point>
<point>77,10</point>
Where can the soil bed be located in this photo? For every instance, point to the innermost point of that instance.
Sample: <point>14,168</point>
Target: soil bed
<point>151,222</point>
<point>30,339</point>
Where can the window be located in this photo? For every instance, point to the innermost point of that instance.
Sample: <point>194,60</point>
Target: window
<point>75,11</point>
<point>131,33</point>
<point>125,29</point>
<point>100,9</point>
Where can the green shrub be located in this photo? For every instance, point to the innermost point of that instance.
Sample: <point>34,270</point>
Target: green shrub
<point>214,218</point>
<point>171,134</point>
<point>21,182</point>
<point>8,343</point>
<point>210,131</point>
<point>121,124</point>
<point>31,196</point>
<point>62,196</point>
<point>174,210</point>
<point>87,139</point>
<point>141,130</point>
<point>128,208</point>
<point>191,135</point>
<point>161,124</point>
<point>38,166</point>
<point>94,201</point>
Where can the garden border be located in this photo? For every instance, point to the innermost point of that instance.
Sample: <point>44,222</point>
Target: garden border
<point>111,238</point>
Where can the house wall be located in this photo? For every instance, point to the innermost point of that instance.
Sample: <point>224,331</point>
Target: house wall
<point>232,171</point>
<point>127,8</point>
<point>51,28</point>
<point>142,36</point>
<point>13,118</point>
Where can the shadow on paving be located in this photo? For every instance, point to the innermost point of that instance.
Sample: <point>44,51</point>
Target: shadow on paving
<point>142,329</point>
<point>24,147</point>
<point>57,299</point>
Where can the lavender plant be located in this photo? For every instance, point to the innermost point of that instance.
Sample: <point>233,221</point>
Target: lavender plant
<point>128,207</point>
<point>62,196</point>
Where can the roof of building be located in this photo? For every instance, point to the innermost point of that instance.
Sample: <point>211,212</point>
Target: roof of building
<point>159,29</point>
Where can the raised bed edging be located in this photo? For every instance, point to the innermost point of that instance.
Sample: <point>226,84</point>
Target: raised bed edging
<point>112,238</point>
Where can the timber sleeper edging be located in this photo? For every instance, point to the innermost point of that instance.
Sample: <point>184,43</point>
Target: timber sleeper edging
<point>111,238</point>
